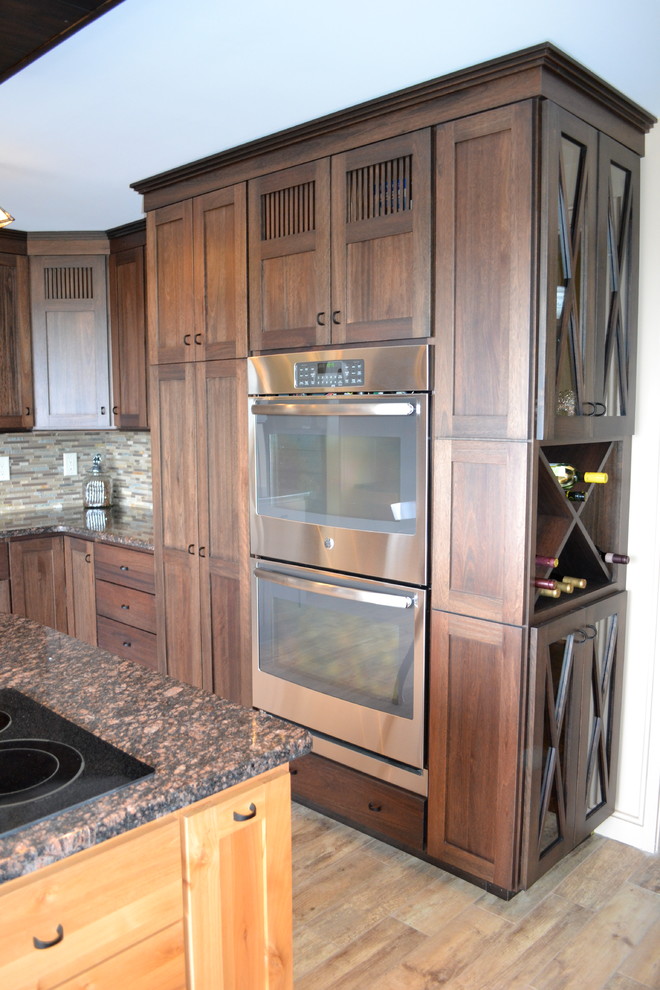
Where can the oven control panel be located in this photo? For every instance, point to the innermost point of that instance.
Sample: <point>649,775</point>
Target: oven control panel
<point>328,374</point>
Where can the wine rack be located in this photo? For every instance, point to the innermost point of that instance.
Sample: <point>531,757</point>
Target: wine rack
<point>575,532</point>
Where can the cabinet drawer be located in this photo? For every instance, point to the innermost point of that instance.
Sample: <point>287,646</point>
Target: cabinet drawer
<point>372,805</point>
<point>126,605</point>
<point>102,901</point>
<point>127,641</point>
<point>132,568</point>
<point>157,963</point>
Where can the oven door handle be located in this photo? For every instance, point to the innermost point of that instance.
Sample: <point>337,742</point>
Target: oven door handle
<point>350,594</point>
<point>339,409</point>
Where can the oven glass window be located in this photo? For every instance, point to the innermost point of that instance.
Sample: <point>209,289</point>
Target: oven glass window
<point>352,650</point>
<point>353,472</point>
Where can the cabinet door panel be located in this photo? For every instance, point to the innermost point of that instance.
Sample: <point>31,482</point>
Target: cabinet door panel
<point>80,589</point>
<point>289,253</point>
<point>179,631</point>
<point>70,338</point>
<point>129,338</point>
<point>174,432</point>
<point>237,883</point>
<point>16,401</point>
<point>220,271</point>
<point>483,316</point>
<point>156,963</point>
<point>480,514</point>
<point>381,237</point>
<point>475,744</point>
<point>170,284</point>
<point>38,580</point>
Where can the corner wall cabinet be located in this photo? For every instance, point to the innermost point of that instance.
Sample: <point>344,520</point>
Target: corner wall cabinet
<point>493,212</point>
<point>128,326</point>
<point>16,398</point>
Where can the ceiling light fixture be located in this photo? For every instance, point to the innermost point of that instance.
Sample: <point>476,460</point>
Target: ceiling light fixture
<point>5,218</point>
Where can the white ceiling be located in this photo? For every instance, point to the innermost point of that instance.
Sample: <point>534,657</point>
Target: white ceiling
<point>154,84</point>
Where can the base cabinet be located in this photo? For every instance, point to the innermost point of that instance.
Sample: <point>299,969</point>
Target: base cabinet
<point>38,580</point>
<point>573,721</point>
<point>80,589</point>
<point>201,899</point>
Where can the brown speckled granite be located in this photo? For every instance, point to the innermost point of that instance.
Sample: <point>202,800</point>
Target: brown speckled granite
<point>198,743</point>
<point>127,526</point>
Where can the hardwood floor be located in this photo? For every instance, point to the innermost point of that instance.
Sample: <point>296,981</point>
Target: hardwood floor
<point>367,915</point>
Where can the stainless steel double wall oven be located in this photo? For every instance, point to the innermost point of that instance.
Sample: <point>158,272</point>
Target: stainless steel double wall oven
<point>338,500</point>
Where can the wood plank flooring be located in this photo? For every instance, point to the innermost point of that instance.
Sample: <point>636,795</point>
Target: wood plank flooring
<point>367,915</point>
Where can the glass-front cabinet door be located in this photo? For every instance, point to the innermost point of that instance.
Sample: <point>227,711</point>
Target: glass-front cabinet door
<point>574,710</point>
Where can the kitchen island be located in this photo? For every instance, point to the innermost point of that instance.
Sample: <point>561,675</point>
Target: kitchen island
<point>180,879</point>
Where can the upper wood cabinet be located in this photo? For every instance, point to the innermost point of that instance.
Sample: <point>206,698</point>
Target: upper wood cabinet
<point>589,245</point>
<point>70,342</point>
<point>16,400</point>
<point>197,278</point>
<point>339,248</point>
<point>128,328</point>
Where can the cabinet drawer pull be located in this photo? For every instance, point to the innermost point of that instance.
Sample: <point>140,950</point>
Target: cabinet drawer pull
<point>600,408</point>
<point>103,410</point>
<point>88,558</point>
<point>594,631</point>
<point>335,317</point>
<point>588,411</point>
<point>320,319</point>
<point>115,410</point>
<point>202,551</point>
<point>123,567</point>
<point>186,339</point>
<point>375,807</point>
<point>191,548</point>
<point>245,818</point>
<point>125,607</point>
<point>28,411</point>
<point>582,634</point>
<point>40,944</point>
<point>198,339</point>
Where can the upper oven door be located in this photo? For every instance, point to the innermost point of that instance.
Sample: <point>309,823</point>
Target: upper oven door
<point>341,483</point>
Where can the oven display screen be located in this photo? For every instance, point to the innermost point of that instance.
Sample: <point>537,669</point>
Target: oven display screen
<point>328,374</point>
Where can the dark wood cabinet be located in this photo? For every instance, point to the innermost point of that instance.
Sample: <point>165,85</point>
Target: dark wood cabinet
<point>38,580</point>
<point>16,398</point>
<point>5,584</point>
<point>576,665</point>
<point>128,327</point>
<point>339,248</point>
<point>70,342</point>
<point>199,417</point>
<point>197,278</point>
<point>125,605</point>
<point>80,588</point>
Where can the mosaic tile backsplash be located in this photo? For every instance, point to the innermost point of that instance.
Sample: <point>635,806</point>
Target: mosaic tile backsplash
<point>37,479</point>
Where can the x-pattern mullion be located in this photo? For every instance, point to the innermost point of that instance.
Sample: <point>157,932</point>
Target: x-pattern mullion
<point>571,236</point>
<point>601,677</point>
<point>615,333</point>
<point>555,709</point>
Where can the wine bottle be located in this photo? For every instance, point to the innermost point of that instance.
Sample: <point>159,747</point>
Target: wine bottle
<point>567,476</point>
<point>542,561</point>
<point>566,587</point>
<point>550,592</point>
<point>576,496</point>
<point>613,558</point>
<point>575,581</point>
<point>549,584</point>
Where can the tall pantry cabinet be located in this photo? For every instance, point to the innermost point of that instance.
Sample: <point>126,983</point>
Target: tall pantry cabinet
<point>513,251</point>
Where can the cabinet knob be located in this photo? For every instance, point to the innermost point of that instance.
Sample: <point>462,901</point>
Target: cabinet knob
<point>125,607</point>
<point>246,818</point>
<point>127,645</point>
<point>123,567</point>
<point>375,807</point>
<point>39,943</point>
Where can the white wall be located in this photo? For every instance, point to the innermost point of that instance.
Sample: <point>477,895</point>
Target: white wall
<point>637,817</point>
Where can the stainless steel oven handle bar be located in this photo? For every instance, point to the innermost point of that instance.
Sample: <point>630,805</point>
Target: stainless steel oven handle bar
<point>350,594</point>
<point>345,409</point>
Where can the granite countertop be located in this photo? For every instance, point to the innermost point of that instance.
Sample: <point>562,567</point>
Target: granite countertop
<point>198,743</point>
<point>124,525</point>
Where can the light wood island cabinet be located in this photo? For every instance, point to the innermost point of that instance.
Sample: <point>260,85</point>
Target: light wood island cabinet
<point>198,899</point>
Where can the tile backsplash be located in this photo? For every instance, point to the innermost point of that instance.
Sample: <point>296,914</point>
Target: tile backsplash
<point>37,479</point>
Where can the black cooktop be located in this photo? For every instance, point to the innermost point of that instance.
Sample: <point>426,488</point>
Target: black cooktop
<point>48,764</point>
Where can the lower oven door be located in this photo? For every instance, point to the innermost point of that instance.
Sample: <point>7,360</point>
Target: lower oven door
<point>342,656</point>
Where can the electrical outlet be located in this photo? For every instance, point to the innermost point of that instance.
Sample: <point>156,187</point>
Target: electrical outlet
<point>4,469</point>
<point>70,463</point>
